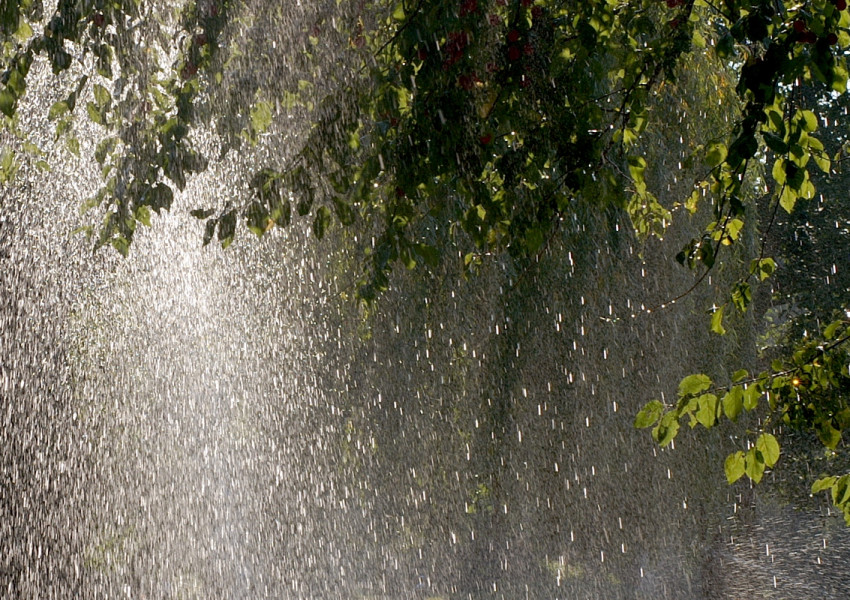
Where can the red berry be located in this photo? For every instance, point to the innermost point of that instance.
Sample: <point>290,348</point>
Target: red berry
<point>457,41</point>
<point>527,3</point>
<point>399,192</point>
<point>674,3</point>
<point>468,7</point>
<point>832,39</point>
<point>537,12</point>
<point>513,35</point>
<point>841,4</point>
<point>422,54</point>
<point>799,26</point>
<point>809,38</point>
<point>189,70</point>
<point>514,53</point>
<point>467,82</point>
<point>485,139</point>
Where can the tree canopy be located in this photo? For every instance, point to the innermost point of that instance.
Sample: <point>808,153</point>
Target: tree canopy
<point>462,130</point>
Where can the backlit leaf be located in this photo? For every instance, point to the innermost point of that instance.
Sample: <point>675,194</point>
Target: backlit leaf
<point>733,402</point>
<point>734,467</point>
<point>707,413</point>
<point>754,465</point>
<point>717,322</point>
<point>694,384</point>
<point>769,448</point>
<point>649,414</point>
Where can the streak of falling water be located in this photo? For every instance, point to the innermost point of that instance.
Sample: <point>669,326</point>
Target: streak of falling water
<point>181,423</point>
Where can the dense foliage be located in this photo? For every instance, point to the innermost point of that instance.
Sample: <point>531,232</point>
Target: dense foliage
<point>466,129</point>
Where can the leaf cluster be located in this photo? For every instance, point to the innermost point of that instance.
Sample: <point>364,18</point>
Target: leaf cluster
<point>807,392</point>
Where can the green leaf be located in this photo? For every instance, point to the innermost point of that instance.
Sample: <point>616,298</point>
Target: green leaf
<point>775,142</point>
<point>261,116</point>
<point>769,448</point>
<point>343,211</point>
<point>322,221</point>
<point>104,147</point>
<point>788,199</point>
<point>202,213</point>
<point>754,465</point>
<point>122,244</point>
<point>694,384</point>
<point>807,188</point>
<point>734,467</point>
<point>429,254</point>
<point>764,268</point>
<point>209,230</point>
<point>305,202</point>
<point>739,375</point>
<point>715,153</point>
<point>707,413</point>
<point>732,230</point>
<point>649,414</point>
<point>281,211</point>
<point>692,203</point>
<point>24,31</point>
<point>743,148</point>
<point>841,490</point>
<point>8,166</point>
<point>143,215</point>
<point>73,145</point>
<point>831,329</point>
<point>777,119</point>
<point>751,397</point>
<point>101,95</point>
<point>57,110</point>
<point>637,165</point>
<point>717,322</point>
<point>824,483</point>
<point>533,240</point>
<point>227,228</point>
<point>808,120</point>
<point>666,430</point>
<point>62,127</point>
<point>257,218</point>
<point>16,83</point>
<point>827,434</point>
<point>7,159</point>
<point>103,65</point>
<point>7,103</point>
<point>160,197</point>
<point>778,171</point>
<point>60,60</point>
<point>733,403</point>
<point>842,418</point>
<point>742,295</point>
<point>95,113</point>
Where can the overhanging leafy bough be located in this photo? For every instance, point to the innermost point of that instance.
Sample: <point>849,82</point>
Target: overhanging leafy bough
<point>438,128</point>
<point>808,392</point>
